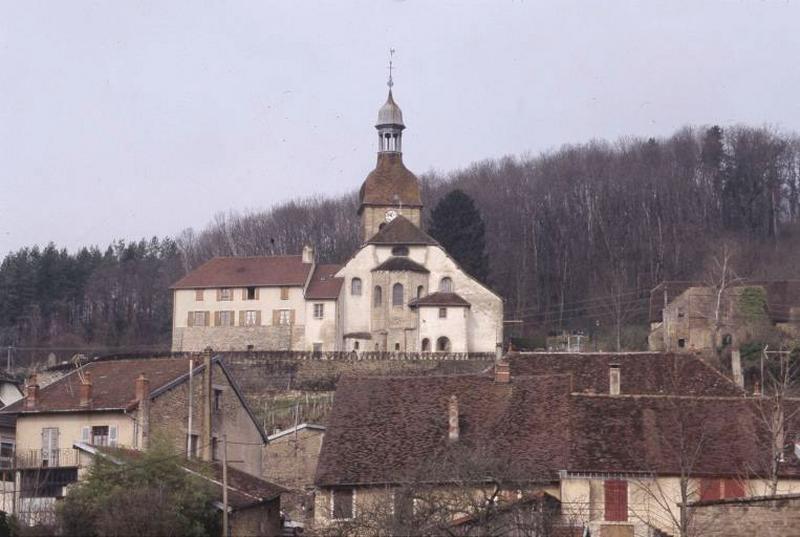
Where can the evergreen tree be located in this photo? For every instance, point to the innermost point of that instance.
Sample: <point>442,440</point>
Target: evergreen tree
<point>458,226</point>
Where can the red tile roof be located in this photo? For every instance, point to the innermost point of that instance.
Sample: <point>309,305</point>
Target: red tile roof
<point>385,430</point>
<point>288,270</point>
<point>401,231</point>
<point>640,372</point>
<point>324,284</point>
<point>440,299</point>
<point>390,184</point>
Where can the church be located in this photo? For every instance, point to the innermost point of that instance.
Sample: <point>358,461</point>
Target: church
<point>399,292</point>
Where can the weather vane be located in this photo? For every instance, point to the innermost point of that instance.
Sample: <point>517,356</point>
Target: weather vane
<point>391,54</point>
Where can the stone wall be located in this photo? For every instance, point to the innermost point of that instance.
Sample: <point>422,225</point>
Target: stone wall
<point>223,338</point>
<point>777,516</point>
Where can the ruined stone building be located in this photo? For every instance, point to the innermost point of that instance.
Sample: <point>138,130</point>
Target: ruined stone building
<point>399,292</point>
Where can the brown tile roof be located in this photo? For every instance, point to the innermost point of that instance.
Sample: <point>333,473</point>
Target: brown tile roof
<point>392,430</point>
<point>390,184</point>
<point>324,284</point>
<point>245,489</point>
<point>389,429</point>
<point>401,231</point>
<point>640,372</point>
<point>288,270</point>
<point>440,298</point>
<point>113,386</point>
<point>400,264</point>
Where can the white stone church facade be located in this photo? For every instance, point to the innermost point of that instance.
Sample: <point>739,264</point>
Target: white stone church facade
<point>399,292</point>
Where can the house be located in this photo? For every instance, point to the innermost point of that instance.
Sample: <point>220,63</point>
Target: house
<point>690,316</point>
<point>254,504</point>
<point>124,403</point>
<point>399,292</point>
<point>614,445</point>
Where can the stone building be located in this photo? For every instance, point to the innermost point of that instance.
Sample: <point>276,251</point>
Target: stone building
<point>399,292</point>
<point>689,316</point>
<point>610,436</point>
<point>126,404</point>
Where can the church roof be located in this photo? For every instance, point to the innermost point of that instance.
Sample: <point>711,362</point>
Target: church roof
<point>401,231</point>
<point>390,184</point>
<point>440,299</point>
<point>324,284</point>
<point>401,264</point>
<point>284,270</point>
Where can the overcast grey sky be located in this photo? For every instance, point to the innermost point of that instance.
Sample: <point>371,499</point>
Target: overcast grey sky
<point>129,119</point>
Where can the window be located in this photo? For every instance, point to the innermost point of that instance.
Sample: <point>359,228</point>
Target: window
<point>251,293</point>
<point>420,291</point>
<point>719,489</point>
<point>217,399</point>
<point>681,343</point>
<point>377,296</point>
<point>198,295</point>
<point>446,285</point>
<point>100,435</point>
<point>224,318</point>
<point>225,294</point>
<point>400,250</point>
<point>317,347</point>
<point>426,345</point>
<point>443,344</point>
<point>194,444</point>
<point>680,314</point>
<point>355,345</point>
<point>342,504</point>
<point>443,313</point>
<point>284,316</point>
<point>6,454</point>
<point>251,318</point>
<point>727,339</point>
<point>284,293</point>
<point>319,311</point>
<point>197,318</point>
<point>397,346</point>
<point>50,446</point>
<point>397,294</point>
<point>214,449</point>
<point>355,287</point>
<point>616,500</point>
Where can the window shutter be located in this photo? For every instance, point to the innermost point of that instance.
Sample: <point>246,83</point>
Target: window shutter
<point>710,489</point>
<point>190,319</point>
<point>206,318</point>
<point>219,295</point>
<point>112,436</point>
<point>244,293</point>
<point>258,316</point>
<point>256,293</point>
<point>241,316</point>
<point>275,317</point>
<point>291,317</point>
<point>616,500</point>
<point>733,488</point>
<point>85,435</point>
<point>216,318</point>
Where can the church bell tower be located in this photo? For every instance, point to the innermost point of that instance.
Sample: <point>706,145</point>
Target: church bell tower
<point>390,190</point>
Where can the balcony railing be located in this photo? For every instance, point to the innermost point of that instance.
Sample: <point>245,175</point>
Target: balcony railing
<point>46,458</point>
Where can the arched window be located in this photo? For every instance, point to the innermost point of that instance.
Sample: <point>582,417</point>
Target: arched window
<point>426,345</point>
<point>355,345</point>
<point>377,296</point>
<point>397,294</point>
<point>397,346</point>
<point>400,250</point>
<point>446,285</point>
<point>443,344</point>
<point>420,291</point>
<point>355,287</point>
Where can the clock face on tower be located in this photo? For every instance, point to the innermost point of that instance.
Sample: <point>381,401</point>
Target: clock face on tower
<point>390,215</point>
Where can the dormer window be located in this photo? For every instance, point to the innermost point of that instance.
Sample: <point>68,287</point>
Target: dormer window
<point>400,251</point>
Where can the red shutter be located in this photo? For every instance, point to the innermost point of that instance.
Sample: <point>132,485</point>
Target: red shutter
<point>733,488</point>
<point>710,489</point>
<point>616,500</point>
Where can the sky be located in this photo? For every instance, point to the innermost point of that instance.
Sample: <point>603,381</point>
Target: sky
<point>123,120</point>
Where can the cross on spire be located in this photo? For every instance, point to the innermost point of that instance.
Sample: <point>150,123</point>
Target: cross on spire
<point>390,83</point>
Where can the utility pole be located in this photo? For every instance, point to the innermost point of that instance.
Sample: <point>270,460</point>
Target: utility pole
<point>189,426</point>
<point>224,485</point>
<point>8,359</point>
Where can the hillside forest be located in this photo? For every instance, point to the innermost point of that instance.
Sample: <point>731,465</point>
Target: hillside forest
<point>575,239</point>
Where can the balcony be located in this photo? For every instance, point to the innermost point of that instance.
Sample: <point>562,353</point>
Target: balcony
<point>46,458</point>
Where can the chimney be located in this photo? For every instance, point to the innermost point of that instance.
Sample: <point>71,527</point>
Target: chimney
<point>736,368</point>
<point>86,389</point>
<point>614,379</point>
<point>32,393</point>
<point>143,397</point>
<point>308,254</point>
<point>208,453</point>
<point>502,372</point>
<point>453,419</point>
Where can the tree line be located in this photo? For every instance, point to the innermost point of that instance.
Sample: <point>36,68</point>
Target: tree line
<point>575,238</point>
